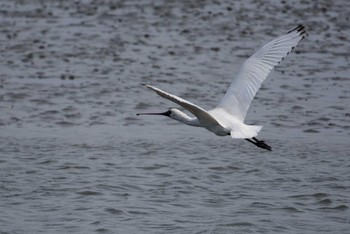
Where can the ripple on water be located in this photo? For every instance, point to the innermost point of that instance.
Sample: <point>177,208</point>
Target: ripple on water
<point>291,209</point>
<point>325,201</point>
<point>89,193</point>
<point>310,130</point>
<point>104,230</point>
<point>113,211</point>
<point>309,196</point>
<point>342,207</point>
<point>75,158</point>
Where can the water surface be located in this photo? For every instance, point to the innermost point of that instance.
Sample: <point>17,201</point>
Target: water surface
<point>74,158</point>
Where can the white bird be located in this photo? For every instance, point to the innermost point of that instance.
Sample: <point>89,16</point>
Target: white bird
<point>228,117</point>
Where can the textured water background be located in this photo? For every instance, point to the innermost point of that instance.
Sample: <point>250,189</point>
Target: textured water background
<point>74,158</point>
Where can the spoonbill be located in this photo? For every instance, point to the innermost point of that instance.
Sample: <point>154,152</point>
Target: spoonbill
<point>228,117</point>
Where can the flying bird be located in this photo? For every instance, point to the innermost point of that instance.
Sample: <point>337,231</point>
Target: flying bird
<point>228,117</point>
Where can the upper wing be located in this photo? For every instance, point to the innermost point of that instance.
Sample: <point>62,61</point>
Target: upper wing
<point>255,70</point>
<point>203,116</point>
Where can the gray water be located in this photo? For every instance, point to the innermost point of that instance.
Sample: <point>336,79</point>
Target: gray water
<point>74,157</point>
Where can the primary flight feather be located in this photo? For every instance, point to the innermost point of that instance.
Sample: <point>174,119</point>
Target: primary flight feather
<point>228,117</point>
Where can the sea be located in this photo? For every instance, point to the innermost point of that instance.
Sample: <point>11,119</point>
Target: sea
<point>75,158</point>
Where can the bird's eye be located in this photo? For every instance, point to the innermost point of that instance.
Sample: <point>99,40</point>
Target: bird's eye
<point>167,113</point>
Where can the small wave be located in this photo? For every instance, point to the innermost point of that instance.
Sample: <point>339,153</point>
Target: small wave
<point>65,124</point>
<point>339,207</point>
<point>309,196</point>
<point>239,224</point>
<point>89,193</point>
<point>311,131</point>
<point>291,209</point>
<point>103,230</point>
<point>326,201</point>
<point>113,211</point>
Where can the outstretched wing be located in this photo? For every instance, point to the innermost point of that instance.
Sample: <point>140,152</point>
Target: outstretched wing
<point>203,116</point>
<point>255,70</point>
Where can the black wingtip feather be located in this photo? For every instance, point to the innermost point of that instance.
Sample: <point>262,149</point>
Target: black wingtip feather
<point>300,29</point>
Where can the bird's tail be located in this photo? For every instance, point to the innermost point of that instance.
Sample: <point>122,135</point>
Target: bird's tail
<point>255,128</point>
<point>249,131</point>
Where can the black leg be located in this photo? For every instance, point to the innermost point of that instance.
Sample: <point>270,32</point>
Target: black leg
<point>260,144</point>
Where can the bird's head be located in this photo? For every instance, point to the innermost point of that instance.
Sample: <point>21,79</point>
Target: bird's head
<point>176,114</point>
<point>171,113</point>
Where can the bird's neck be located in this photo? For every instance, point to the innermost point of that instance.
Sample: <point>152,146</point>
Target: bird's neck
<point>183,118</point>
